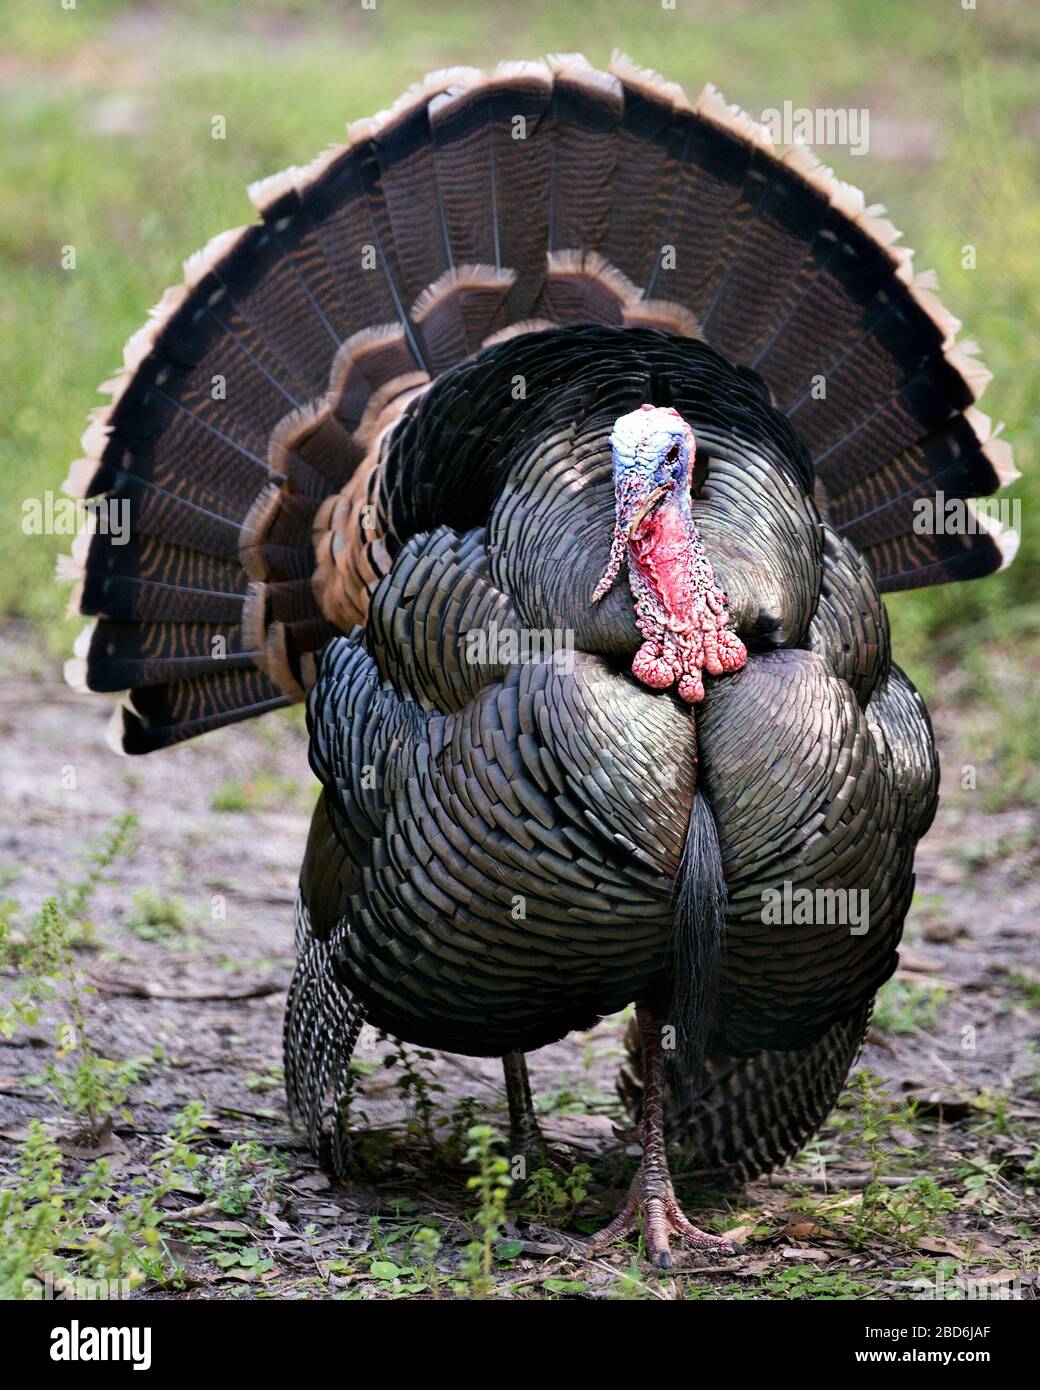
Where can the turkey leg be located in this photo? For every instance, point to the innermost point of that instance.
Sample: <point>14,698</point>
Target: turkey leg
<point>651,1201</point>
<point>525,1136</point>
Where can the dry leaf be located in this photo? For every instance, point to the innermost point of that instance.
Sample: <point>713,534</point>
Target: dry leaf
<point>803,1230</point>
<point>739,1234</point>
<point>310,1182</point>
<point>934,1245</point>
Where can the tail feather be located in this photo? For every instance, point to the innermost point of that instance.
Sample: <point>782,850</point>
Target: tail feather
<point>846,269</point>
<point>402,144</point>
<point>160,431</point>
<point>459,310</point>
<point>458,137</point>
<point>762,278</point>
<point>313,450</point>
<point>182,513</point>
<point>156,716</point>
<point>984,549</point>
<point>646,169</point>
<point>586,113</point>
<point>705,208</point>
<point>521,145</point>
<point>190,586</point>
<point>364,363</point>
<point>582,287</point>
<point>872,509</point>
<point>335,209</point>
<point>895,385</point>
<point>263,285</point>
<point>120,655</point>
<point>289,225</point>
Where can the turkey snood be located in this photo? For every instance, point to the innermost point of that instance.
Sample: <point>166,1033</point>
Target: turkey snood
<point>680,610</point>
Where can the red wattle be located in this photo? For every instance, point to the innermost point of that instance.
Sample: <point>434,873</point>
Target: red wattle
<point>680,610</point>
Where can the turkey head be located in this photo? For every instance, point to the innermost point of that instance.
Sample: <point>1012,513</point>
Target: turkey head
<point>680,610</point>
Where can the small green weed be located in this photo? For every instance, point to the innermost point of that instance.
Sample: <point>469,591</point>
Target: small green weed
<point>492,1183</point>
<point>155,918</point>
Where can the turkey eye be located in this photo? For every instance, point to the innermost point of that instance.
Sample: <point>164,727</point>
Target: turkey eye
<point>672,454</point>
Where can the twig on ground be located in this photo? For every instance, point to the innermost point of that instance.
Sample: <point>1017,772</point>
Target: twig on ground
<point>146,990</point>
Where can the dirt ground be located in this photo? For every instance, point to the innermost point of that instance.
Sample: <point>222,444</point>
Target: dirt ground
<point>222,825</point>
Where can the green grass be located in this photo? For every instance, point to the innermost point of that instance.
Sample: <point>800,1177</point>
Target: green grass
<point>154,917</point>
<point>264,791</point>
<point>902,1008</point>
<point>106,116</point>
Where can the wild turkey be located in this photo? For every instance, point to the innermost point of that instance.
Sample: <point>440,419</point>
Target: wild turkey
<point>392,447</point>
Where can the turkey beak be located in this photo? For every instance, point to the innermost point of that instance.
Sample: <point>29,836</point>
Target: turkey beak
<point>644,509</point>
<point>624,530</point>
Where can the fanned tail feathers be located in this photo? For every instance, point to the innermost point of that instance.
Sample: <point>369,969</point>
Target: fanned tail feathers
<point>244,434</point>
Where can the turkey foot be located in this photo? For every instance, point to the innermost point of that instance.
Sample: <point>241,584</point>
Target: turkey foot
<point>651,1199</point>
<point>652,1203</point>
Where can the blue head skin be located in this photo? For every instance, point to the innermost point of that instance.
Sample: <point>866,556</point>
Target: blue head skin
<point>652,451</point>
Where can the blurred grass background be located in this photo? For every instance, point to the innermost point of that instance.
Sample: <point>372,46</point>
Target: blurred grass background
<point>106,113</point>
